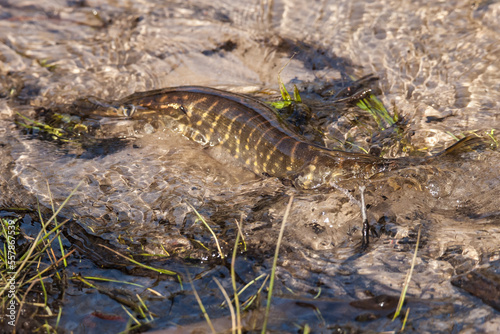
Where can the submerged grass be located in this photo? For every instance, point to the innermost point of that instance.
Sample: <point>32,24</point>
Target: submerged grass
<point>104,279</point>
<point>132,302</point>
<point>61,128</point>
<point>158,270</point>
<point>376,108</point>
<point>39,126</point>
<point>200,217</point>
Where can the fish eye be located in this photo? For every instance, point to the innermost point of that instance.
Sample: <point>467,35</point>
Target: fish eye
<point>129,111</point>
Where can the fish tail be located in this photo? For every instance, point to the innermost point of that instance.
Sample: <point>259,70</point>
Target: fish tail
<point>461,146</point>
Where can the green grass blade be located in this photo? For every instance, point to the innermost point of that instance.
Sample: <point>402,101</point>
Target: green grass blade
<point>254,297</point>
<point>408,278</point>
<point>158,270</point>
<point>200,304</point>
<point>200,217</point>
<point>233,279</point>
<point>376,108</point>
<point>228,301</point>
<point>27,255</point>
<point>405,320</point>
<point>275,262</point>
<point>103,279</point>
<point>43,288</point>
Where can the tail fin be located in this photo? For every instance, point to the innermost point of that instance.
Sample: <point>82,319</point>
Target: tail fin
<point>461,146</point>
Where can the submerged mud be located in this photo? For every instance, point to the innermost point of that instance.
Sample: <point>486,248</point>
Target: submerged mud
<point>438,69</point>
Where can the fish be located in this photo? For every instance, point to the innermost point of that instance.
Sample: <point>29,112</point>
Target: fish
<point>254,134</point>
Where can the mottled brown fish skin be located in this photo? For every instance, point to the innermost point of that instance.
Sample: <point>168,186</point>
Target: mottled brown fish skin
<point>250,130</point>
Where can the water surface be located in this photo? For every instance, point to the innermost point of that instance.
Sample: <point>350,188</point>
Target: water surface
<point>438,64</point>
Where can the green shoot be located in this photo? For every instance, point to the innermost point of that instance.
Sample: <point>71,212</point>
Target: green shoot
<point>45,297</point>
<point>58,320</point>
<point>25,259</point>
<point>158,270</point>
<point>241,233</point>
<point>405,319</point>
<point>249,302</point>
<point>103,279</point>
<point>454,137</point>
<point>131,316</point>
<point>275,263</point>
<point>233,279</point>
<point>285,96</point>
<point>296,95</point>
<point>200,217</point>
<point>491,135</point>
<point>228,300</point>
<point>318,294</point>
<point>200,304</point>
<point>408,278</point>
<point>45,64</point>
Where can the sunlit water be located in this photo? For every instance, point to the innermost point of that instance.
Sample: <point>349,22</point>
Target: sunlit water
<point>438,64</point>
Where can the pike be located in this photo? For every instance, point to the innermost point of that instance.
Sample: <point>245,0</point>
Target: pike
<point>252,133</point>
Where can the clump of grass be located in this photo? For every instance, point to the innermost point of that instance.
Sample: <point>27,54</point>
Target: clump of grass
<point>36,126</point>
<point>25,268</point>
<point>287,99</point>
<point>62,128</point>
<point>127,301</point>
<point>38,262</point>
<point>379,113</point>
<point>141,315</point>
<point>246,304</point>
<point>364,99</point>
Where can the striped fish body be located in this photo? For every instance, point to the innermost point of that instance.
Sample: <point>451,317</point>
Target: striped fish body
<point>252,132</point>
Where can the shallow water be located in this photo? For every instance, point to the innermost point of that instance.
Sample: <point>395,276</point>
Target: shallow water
<point>438,64</point>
